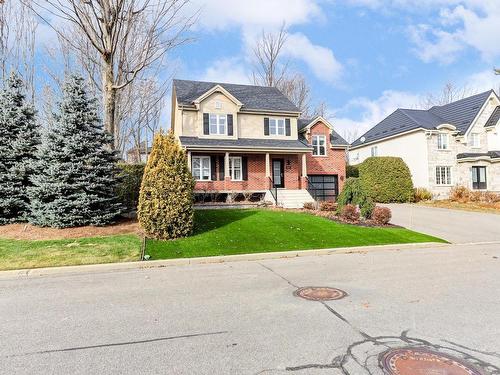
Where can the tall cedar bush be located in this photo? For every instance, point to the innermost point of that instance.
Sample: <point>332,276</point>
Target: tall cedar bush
<point>129,185</point>
<point>19,139</point>
<point>386,179</point>
<point>354,194</point>
<point>76,180</point>
<point>166,200</point>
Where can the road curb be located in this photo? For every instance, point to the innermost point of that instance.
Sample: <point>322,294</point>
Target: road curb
<point>111,267</point>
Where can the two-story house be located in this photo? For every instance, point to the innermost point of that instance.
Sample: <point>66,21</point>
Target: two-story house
<point>242,138</point>
<point>444,146</point>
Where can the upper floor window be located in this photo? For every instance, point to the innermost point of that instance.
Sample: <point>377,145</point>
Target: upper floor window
<point>218,124</point>
<point>277,126</point>
<point>443,175</point>
<point>218,105</point>
<point>235,168</point>
<point>442,141</point>
<point>319,145</point>
<point>475,140</point>
<point>201,168</point>
<point>374,151</point>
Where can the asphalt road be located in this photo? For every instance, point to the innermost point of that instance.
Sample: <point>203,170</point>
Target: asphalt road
<point>242,318</point>
<point>452,225</point>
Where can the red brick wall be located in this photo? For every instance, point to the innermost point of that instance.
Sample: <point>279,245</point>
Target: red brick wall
<point>333,163</point>
<point>257,179</point>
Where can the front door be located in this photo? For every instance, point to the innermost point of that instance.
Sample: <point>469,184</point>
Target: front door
<point>479,177</point>
<point>278,173</point>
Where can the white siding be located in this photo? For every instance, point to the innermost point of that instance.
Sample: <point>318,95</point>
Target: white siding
<point>412,148</point>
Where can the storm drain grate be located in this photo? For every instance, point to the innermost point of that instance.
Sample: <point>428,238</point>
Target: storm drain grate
<point>411,361</point>
<point>319,293</point>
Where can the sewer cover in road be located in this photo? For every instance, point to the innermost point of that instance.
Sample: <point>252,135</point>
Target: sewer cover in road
<point>319,293</point>
<point>413,361</point>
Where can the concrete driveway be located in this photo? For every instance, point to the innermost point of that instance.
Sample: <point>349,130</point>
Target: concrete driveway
<point>452,225</point>
<point>243,317</point>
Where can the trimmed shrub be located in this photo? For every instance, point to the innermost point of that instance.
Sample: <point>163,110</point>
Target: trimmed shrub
<point>165,208</point>
<point>386,179</point>
<point>353,193</point>
<point>381,215</point>
<point>350,213</point>
<point>129,185</point>
<point>460,194</point>
<point>328,206</point>
<point>309,206</point>
<point>352,171</point>
<point>421,194</point>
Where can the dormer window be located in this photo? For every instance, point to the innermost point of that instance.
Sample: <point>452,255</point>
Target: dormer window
<point>319,145</point>
<point>442,140</point>
<point>475,140</point>
<point>217,124</point>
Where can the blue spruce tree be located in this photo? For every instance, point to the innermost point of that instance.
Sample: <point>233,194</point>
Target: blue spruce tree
<point>19,139</point>
<point>76,180</point>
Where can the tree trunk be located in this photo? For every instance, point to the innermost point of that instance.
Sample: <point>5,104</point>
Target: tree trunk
<point>108,80</point>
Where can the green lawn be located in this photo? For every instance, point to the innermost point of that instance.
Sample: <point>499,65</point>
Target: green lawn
<point>226,232</point>
<point>16,254</point>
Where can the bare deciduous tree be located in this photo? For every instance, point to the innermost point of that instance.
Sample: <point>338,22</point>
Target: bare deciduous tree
<point>449,93</point>
<point>269,69</point>
<point>120,38</point>
<point>297,90</point>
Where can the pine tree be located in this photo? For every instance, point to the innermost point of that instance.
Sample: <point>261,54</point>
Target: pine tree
<point>19,139</point>
<point>166,199</point>
<point>76,180</point>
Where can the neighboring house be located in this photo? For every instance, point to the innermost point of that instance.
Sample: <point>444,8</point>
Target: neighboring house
<point>453,144</point>
<point>242,138</point>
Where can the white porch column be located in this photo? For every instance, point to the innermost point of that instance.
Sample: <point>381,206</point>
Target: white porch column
<point>268,168</point>
<point>226,165</point>
<point>304,165</point>
<point>189,160</point>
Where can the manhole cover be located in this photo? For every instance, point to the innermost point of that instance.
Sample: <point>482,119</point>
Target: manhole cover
<point>414,361</point>
<point>320,293</point>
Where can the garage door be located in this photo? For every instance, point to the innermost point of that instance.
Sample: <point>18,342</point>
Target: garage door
<point>323,187</point>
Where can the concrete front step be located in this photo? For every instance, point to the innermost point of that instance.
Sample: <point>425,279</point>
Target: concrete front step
<point>291,198</point>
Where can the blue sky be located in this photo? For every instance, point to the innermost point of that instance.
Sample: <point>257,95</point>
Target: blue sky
<point>364,58</point>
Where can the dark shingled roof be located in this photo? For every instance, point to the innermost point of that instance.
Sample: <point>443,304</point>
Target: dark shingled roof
<point>494,118</point>
<point>244,143</point>
<point>335,138</point>
<point>252,97</point>
<point>490,154</point>
<point>460,114</point>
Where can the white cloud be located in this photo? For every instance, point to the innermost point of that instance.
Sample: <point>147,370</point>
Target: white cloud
<point>319,59</point>
<point>372,111</point>
<point>482,81</point>
<point>230,70</point>
<point>221,14</point>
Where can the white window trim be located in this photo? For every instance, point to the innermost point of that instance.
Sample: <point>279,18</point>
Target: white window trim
<point>447,137</point>
<point>318,146</point>
<point>372,153</point>
<point>200,158</point>
<point>472,145</point>
<point>231,170</point>
<point>450,175</point>
<point>218,116</point>
<point>218,104</point>
<point>277,133</point>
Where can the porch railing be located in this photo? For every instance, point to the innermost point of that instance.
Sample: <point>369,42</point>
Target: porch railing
<point>312,188</point>
<point>274,190</point>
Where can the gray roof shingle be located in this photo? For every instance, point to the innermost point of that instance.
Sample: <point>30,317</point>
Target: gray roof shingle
<point>335,138</point>
<point>252,97</point>
<point>494,118</point>
<point>244,143</point>
<point>490,154</point>
<point>460,114</point>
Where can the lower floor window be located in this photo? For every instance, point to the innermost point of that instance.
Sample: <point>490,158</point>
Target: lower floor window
<point>443,175</point>
<point>479,177</point>
<point>235,167</point>
<point>201,168</point>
